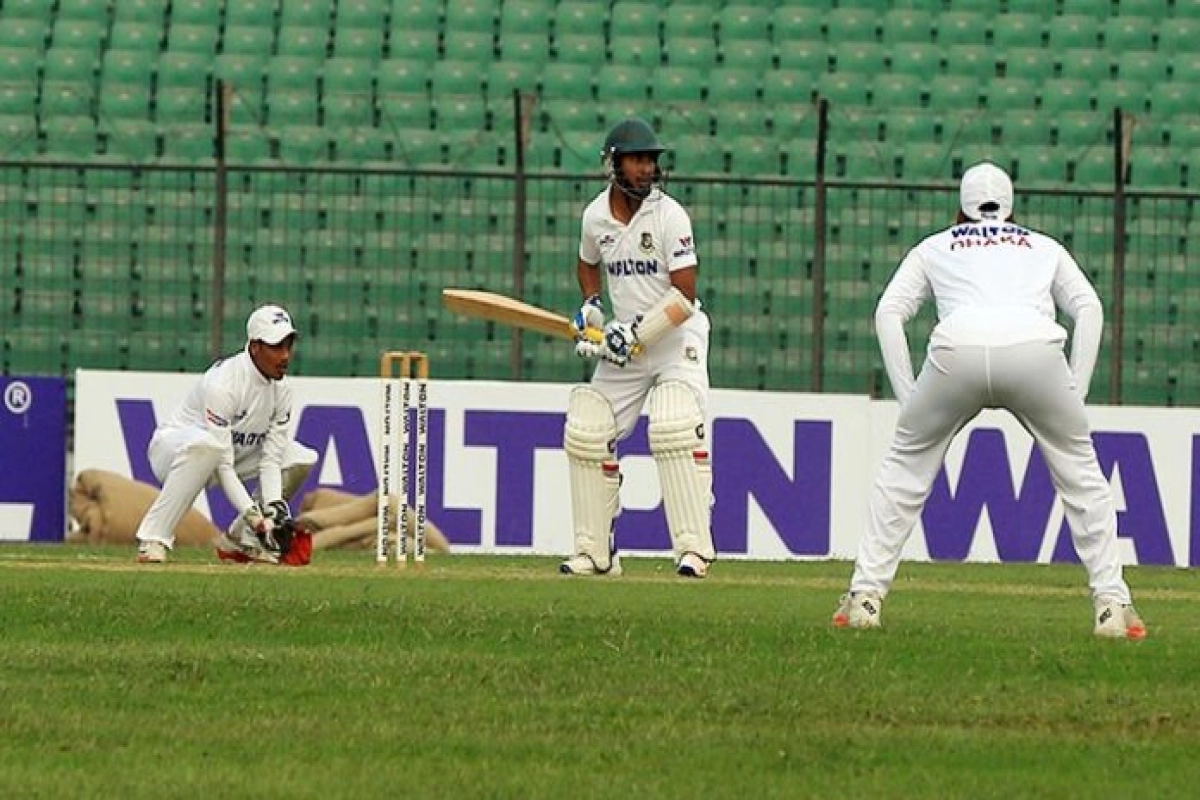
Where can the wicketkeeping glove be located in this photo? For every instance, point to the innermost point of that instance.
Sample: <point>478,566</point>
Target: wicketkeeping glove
<point>284,527</point>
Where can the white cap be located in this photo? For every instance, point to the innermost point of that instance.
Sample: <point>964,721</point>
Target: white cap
<point>982,184</point>
<point>270,324</point>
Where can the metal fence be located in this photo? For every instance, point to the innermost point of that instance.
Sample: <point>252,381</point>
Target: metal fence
<point>156,267</point>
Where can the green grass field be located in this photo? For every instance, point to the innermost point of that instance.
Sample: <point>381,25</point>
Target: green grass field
<point>497,678</point>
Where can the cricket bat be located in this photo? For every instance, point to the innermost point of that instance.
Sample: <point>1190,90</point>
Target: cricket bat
<point>509,311</point>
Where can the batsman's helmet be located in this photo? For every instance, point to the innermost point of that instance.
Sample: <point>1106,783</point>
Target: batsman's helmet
<point>630,136</point>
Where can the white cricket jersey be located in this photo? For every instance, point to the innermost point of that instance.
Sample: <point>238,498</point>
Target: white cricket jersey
<point>994,284</point>
<point>246,412</point>
<point>637,258</point>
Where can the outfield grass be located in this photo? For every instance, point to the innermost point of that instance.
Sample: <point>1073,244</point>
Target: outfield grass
<point>497,678</point>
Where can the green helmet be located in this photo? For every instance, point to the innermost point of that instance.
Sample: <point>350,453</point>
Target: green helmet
<point>631,136</point>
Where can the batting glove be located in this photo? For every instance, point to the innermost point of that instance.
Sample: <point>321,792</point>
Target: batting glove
<point>590,315</point>
<point>263,526</point>
<point>620,338</point>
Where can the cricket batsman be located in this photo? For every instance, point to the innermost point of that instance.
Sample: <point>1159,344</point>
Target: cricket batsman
<point>638,240</point>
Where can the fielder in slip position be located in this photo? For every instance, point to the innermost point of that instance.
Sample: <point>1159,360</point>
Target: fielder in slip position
<point>233,427</point>
<point>654,352</point>
<point>996,345</point>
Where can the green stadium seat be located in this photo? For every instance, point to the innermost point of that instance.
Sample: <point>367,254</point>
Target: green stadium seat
<point>528,48</point>
<point>524,17</point>
<point>360,43</point>
<point>1067,95</point>
<point>809,56</point>
<point>732,85</point>
<point>1185,67</point>
<point>29,9</point>
<point>1027,63</point>
<point>181,105</point>
<point>141,36</point>
<point>194,12</point>
<point>687,20</point>
<point>504,76</point>
<point>1126,32</point>
<point>455,77</point>
<point>952,28</point>
<point>151,11</point>
<point>346,74</point>
<point>912,125</point>
<point>362,146</point>
<point>589,49</point>
<point>924,61</point>
<point>898,91</point>
<point>247,41</point>
<point>472,16</point>
<point>787,86</point>
<point>128,67</point>
<point>412,44</point>
<point>743,21</point>
<point>134,141</point>
<point>795,123</point>
<point>678,85</point>
<point>1179,36</point>
<point>470,46</point>
<point>245,106</point>
<point>1182,132</point>
<point>923,161</point>
<point>124,102</point>
<point>17,66</point>
<point>404,111</point>
<point>303,145</point>
<point>753,157</point>
<point>1147,66</point>
<point>1086,65</point>
<point>1093,169</point>
<point>188,38</point>
<point>258,13</point>
<point>747,54</point>
<point>904,26</point>
<point>176,70</point>
<point>341,110</point>
<point>292,72</point>
<point>1076,129</point>
<point>303,42</point>
<point>952,92</point>
<point>69,137</point>
<point>305,14</point>
<point>1170,99</point>
<point>417,147</point>
<point>69,65</point>
<point>248,145</point>
<point>28,34</point>
<point>243,72</point>
<point>1010,94</point>
<point>403,76</point>
<point>1023,128</point>
<point>642,51</point>
<point>1090,8</point>
<point>741,119</point>
<point>1156,168</point>
<point>796,22</point>
<point>374,13</point>
<point>18,137</point>
<point>1074,31</point>
<point>1128,95</point>
<point>567,79</point>
<point>85,35</point>
<point>867,59</point>
<point>1018,30</point>
<point>842,89</point>
<point>65,99</point>
<point>692,51</point>
<point>848,24</point>
<point>460,112</point>
<point>18,99</point>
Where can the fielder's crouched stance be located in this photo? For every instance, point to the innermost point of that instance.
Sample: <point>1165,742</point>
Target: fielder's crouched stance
<point>233,427</point>
<point>654,353</point>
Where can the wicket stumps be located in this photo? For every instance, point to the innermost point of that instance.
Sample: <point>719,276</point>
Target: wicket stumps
<point>395,459</point>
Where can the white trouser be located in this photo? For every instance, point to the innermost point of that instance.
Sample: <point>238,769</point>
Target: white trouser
<point>1034,383</point>
<point>681,355</point>
<point>185,460</point>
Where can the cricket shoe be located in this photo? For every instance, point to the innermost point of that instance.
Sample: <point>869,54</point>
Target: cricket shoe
<point>1117,620</point>
<point>692,565</point>
<point>584,565</point>
<point>236,551</point>
<point>152,552</point>
<point>859,610</point>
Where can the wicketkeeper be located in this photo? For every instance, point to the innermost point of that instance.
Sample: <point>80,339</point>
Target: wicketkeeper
<point>232,428</point>
<point>654,353</point>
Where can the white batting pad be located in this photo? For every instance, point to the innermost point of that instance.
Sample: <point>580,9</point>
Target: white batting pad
<point>680,448</point>
<point>590,440</point>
